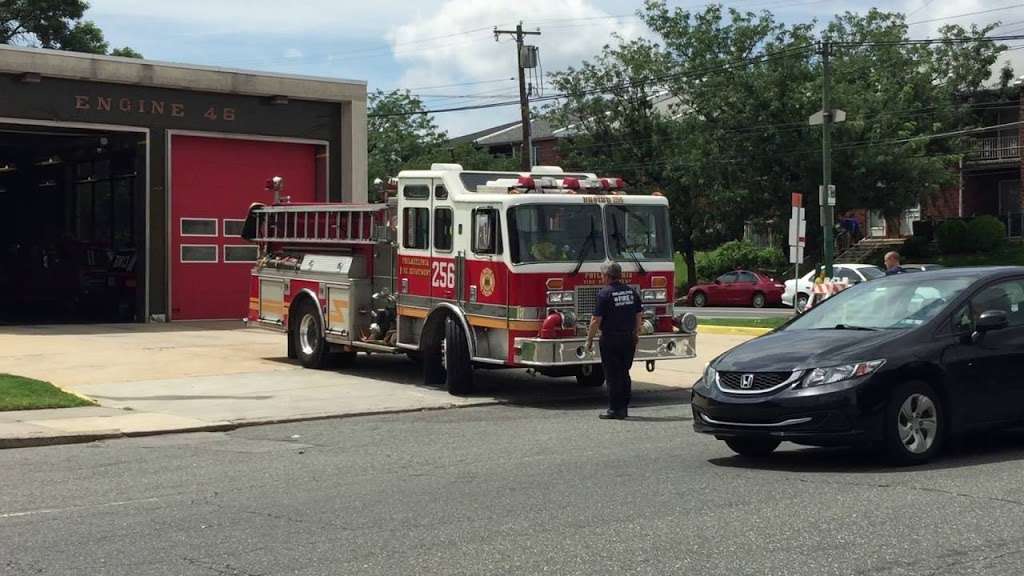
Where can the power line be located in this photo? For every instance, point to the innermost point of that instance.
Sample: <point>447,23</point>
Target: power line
<point>976,13</point>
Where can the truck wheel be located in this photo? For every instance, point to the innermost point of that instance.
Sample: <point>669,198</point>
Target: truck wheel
<point>310,346</point>
<point>457,363</point>
<point>590,376</point>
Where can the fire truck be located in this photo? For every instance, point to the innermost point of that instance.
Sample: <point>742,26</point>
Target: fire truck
<point>463,270</point>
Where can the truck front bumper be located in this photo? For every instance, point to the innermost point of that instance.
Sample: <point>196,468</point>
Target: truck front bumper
<point>573,351</point>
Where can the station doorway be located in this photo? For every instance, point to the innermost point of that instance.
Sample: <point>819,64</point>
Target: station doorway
<point>72,225</point>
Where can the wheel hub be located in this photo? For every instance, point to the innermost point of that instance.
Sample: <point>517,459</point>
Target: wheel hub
<point>917,423</point>
<point>308,335</point>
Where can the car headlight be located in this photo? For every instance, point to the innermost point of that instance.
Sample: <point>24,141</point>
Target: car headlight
<point>710,376</point>
<point>833,374</point>
<point>654,295</point>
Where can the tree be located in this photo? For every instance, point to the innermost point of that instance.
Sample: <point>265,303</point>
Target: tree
<point>401,135</point>
<point>714,114</point>
<point>55,24</point>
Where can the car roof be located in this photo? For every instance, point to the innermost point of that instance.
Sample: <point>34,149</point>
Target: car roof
<point>975,272</point>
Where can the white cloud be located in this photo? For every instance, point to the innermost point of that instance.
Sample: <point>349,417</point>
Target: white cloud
<point>262,16</point>
<point>293,53</point>
<point>455,43</point>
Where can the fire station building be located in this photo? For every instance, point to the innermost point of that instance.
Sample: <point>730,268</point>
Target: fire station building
<point>124,183</point>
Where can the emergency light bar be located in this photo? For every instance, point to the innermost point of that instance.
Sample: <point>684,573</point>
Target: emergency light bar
<point>547,184</point>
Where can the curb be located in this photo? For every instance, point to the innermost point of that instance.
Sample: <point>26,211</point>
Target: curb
<point>732,330</point>
<point>38,441</point>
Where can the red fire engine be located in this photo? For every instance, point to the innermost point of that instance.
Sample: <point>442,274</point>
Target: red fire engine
<point>462,269</point>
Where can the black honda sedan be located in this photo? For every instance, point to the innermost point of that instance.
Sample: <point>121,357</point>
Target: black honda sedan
<point>901,364</point>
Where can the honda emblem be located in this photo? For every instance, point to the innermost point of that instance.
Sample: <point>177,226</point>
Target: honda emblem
<point>747,381</point>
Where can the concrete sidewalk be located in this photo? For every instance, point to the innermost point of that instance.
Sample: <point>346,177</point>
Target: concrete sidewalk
<point>151,379</point>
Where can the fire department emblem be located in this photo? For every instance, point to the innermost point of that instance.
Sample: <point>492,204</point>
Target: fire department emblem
<point>487,282</point>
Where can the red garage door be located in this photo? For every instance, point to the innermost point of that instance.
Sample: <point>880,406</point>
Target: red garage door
<point>213,182</point>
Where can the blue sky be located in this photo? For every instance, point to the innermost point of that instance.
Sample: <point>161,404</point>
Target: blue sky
<point>440,49</point>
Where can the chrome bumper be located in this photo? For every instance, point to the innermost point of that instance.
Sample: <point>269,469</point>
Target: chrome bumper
<point>573,351</point>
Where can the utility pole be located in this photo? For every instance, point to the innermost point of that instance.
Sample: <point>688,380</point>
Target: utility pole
<point>827,211</point>
<point>524,101</point>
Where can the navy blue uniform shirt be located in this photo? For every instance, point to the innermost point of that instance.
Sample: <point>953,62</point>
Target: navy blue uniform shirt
<point>618,305</point>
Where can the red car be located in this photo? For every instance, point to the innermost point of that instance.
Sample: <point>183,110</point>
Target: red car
<point>739,288</point>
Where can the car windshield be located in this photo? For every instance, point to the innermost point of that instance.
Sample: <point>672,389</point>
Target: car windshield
<point>893,304</point>
<point>556,233</point>
<point>638,232</point>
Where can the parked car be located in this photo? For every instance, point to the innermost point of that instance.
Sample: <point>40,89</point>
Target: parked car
<point>903,364</point>
<point>921,267</point>
<point>852,273</point>
<point>738,288</point>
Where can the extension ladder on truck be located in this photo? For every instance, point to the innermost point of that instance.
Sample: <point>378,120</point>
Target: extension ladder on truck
<point>320,223</point>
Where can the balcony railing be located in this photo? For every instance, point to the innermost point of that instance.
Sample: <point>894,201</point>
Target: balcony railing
<point>994,148</point>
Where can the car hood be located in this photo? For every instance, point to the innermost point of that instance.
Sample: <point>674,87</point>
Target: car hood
<point>788,350</point>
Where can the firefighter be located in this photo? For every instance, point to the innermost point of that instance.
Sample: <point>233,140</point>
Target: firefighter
<point>618,317</point>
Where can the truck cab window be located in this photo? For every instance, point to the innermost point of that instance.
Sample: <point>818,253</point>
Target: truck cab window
<point>486,235</point>
<point>443,229</point>
<point>416,222</point>
<point>416,191</point>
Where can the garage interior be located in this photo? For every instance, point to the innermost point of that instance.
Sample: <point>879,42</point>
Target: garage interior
<point>72,234</point>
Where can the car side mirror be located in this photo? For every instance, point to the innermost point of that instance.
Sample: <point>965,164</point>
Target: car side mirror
<point>992,320</point>
<point>989,321</point>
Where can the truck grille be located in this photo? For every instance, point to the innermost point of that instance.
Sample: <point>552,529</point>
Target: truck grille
<point>758,381</point>
<point>586,300</point>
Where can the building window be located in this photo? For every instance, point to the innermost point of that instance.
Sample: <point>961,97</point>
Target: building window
<point>416,223</point>
<point>416,191</point>
<point>443,229</point>
<point>198,253</point>
<point>233,228</point>
<point>198,226</point>
<point>1009,197</point>
<point>240,253</point>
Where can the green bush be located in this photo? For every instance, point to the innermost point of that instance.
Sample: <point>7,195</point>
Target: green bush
<point>952,236</point>
<point>985,233</point>
<point>736,254</point>
<point>916,247</point>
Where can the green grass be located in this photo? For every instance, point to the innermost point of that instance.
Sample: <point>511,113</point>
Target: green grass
<point>19,393</point>
<point>745,322</point>
<point>1007,255</point>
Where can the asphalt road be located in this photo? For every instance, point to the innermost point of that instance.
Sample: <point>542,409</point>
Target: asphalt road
<point>737,312</point>
<point>527,490</point>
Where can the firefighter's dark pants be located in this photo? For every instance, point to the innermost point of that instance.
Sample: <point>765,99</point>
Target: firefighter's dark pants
<point>617,351</point>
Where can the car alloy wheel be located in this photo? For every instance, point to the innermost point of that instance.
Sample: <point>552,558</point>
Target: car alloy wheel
<point>918,423</point>
<point>699,299</point>
<point>758,301</point>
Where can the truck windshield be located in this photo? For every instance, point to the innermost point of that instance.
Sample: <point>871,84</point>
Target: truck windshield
<point>555,233</point>
<point>638,232</point>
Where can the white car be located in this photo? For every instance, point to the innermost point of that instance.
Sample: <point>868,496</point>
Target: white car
<point>852,273</point>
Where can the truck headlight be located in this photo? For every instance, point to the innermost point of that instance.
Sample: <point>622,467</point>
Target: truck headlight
<point>654,295</point>
<point>833,374</point>
<point>561,297</point>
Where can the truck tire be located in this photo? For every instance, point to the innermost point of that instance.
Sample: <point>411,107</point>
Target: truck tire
<point>590,376</point>
<point>308,336</point>
<point>458,364</point>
